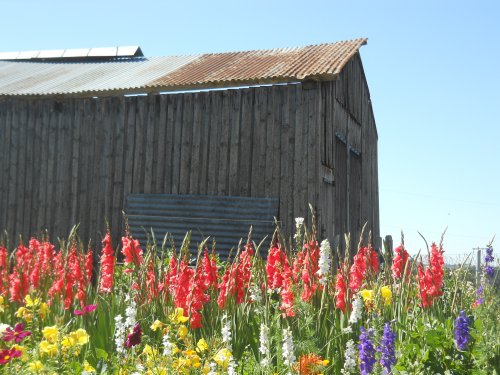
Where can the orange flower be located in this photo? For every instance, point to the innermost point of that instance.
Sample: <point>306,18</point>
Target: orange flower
<point>310,364</point>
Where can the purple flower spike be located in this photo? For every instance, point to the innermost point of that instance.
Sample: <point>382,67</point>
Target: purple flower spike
<point>387,349</point>
<point>135,337</point>
<point>366,352</point>
<point>17,334</point>
<point>462,335</point>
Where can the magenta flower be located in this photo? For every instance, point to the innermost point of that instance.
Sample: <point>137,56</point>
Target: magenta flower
<point>7,354</point>
<point>135,337</point>
<point>17,334</point>
<point>86,309</point>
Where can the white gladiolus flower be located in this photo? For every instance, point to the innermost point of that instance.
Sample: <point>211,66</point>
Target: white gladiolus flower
<point>130,312</point>
<point>288,348</point>
<point>226,331</point>
<point>325,262</point>
<point>357,310</point>
<point>299,221</point>
<point>264,344</point>
<point>120,329</point>
<point>350,358</point>
<point>167,345</point>
<point>231,368</point>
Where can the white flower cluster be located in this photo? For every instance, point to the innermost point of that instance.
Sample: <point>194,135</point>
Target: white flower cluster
<point>226,331</point>
<point>325,262</point>
<point>213,369</point>
<point>231,367</point>
<point>264,344</point>
<point>255,293</point>
<point>357,310</point>
<point>120,329</point>
<point>299,222</point>
<point>167,345</point>
<point>130,312</point>
<point>288,349</point>
<point>350,358</point>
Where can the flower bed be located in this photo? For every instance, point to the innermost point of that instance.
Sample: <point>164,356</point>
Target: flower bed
<point>304,309</point>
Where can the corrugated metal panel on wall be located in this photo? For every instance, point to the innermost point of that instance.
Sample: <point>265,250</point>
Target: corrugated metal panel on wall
<point>225,219</point>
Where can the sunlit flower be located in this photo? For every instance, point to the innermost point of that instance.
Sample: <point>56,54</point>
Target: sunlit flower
<point>48,348</point>
<point>183,331</point>
<point>202,345</point>
<point>264,344</point>
<point>357,310</point>
<point>325,262</point>
<point>222,358</point>
<point>35,366</point>
<point>178,316</point>
<point>387,349</point>
<point>350,358</point>
<point>386,293</point>
<point>156,325</point>
<point>226,331</point>
<point>24,314</point>
<point>366,352</point>
<point>462,335</point>
<point>43,311</point>
<point>367,295</point>
<point>86,310</point>
<point>51,333</point>
<point>88,368</point>
<point>30,302</point>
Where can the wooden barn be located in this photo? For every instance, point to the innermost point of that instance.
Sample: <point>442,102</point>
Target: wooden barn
<point>209,142</point>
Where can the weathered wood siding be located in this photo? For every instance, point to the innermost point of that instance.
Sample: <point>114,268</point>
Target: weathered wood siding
<point>75,160</point>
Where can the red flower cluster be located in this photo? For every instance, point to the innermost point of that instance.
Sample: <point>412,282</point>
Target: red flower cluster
<point>236,279</point>
<point>430,280</point>
<point>107,265</point>
<point>132,252</point>
<point>279,277</point>
<point>340,290</point>
<point>306,267</point>
<point>399,263</point>
<point>365,263</point>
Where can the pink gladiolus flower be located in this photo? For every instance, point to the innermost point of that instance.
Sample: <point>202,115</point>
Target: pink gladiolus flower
<point>86,310</point>
<point>135,337</point>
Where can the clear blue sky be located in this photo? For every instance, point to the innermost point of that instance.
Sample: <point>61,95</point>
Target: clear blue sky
<point>433,68</point>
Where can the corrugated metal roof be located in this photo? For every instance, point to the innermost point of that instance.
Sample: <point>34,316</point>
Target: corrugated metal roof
<point>109,52</point>
<point>136,75</point>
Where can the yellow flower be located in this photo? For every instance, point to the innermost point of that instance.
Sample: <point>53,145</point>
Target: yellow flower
<point>82,337</point>
<point>367,295</point>
<point>43,311</point>
<point>156,325</point>
<point>183,331</point>
<point>24,313</point>
<point>51,333</point>
<point>1,304</point>
<point>178,316</point>
<point>87,367</point>
<point>202,345</point>
<point>223,357</point>
<point>35,366</point>
<point>30,302</point>
<point>48,348</point>
<point>386,293</point>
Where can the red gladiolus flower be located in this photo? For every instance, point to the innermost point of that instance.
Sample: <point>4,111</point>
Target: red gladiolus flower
<point>132,252</point>
<point>151,287</point>
<point>107,265</point>
<point>134,338</point>
<point>89,265</point>
<point>279,276</point>
<point>86,310</point>
<point>365,262</point>
<point>399,262</point>
<point>7,354</point>
<point>430,280</point>
<point>17,334</point>
<point>340,290</point>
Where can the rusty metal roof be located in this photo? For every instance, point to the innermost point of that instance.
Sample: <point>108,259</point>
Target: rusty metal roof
<point>142,75</point>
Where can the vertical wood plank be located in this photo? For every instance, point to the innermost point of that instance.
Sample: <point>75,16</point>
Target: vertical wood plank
<point>75,162</point>
<point>32,112</point>
<point>205,142</point>
<point>119,163</point>
<point>13,167</point>
<point>139,160</point>
<point>169,143</point>
<point>234,143</point>
<point>195,167</point>
<point>176,155</point>
<point>186,143</point>
<point>161,153</point>
<point>110,123</point>
<point>259,144</point>
<point>214,149</point>
<point>21,168</point>
<point>246,143</point>
<point>223,171</point>
<point>300,160</point>
<point>5,132</point>
<point>149,130</point>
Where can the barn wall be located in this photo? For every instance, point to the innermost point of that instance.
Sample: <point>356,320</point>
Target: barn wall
<point>75,160</point>
<point>355,150</point>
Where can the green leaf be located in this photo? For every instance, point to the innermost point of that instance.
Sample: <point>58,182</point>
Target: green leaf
<point>101,354</point>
